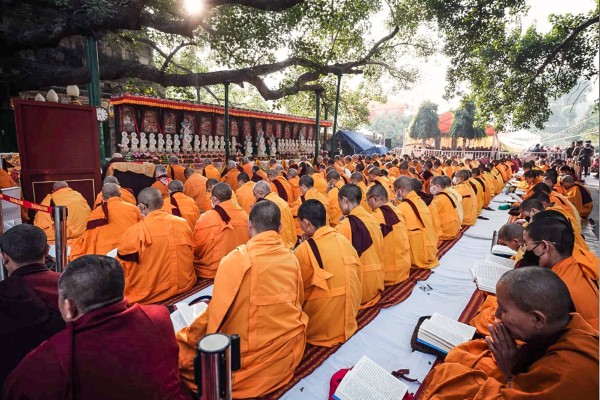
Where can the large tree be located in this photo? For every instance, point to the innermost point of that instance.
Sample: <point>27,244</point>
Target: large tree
<point>464,124</point>
<point>424,124</point>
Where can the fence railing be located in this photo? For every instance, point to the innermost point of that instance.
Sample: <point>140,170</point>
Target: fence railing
<point>479,154</point>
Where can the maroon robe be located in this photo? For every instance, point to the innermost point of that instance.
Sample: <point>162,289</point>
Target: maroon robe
<point>116,352</point>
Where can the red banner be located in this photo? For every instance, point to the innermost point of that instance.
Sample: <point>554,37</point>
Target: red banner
<point>25,203</point>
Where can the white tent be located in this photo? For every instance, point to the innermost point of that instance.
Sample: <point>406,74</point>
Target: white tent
<point>518,141</point>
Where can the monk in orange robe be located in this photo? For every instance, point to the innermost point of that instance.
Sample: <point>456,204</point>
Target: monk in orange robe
<point>421,232</point>
<point>175,171</point>
<point>363,230</point>
<point>5,180</point>
<point>258,174</point>
<point>579,195</point>
<point>157,253</point>
<point>262,190</point>
<point>478,190</point>
<point>210,171</point>
<point>106,224</point>
<point>218,231</point>
<point>294,180</point>
<point>477,177</point>
<point>329,266</point>
<point>320,182</point>
<point>78,211</point>
<point>195,187</point>
<point>396,251</point>
<point>358,179</point>
<point>180,205</point>
<point>247,166</point>
<point>162,181</point>
<point>253,283</point>
<point>308,192</point>
<point>281,186</point>
<point>559,359</point>
<point>334,211</point>
<point>125,194</point>
<point>469,200</point>
<point>447,168</point>
<point>230,175</point>
<point>443,209</point>
<point>245,192</point>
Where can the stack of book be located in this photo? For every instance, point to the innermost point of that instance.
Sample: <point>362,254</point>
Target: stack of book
<point>443,334</point>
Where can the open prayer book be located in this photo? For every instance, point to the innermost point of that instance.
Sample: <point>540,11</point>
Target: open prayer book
<point>443,333</point>
<point>368,381</point>
<point>501,250</point>
<point>486,274</point>
<point>505,262</point>
<point>186,314</point>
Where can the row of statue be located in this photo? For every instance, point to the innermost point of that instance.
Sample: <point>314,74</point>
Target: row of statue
<point>159,143</point>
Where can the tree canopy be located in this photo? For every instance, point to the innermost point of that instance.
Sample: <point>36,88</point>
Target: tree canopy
<point>424,124</point>
<point>463,125</point>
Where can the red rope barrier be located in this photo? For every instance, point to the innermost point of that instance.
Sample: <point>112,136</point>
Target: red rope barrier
<point>25,203</point>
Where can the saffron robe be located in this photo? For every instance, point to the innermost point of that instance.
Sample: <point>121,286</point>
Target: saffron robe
<point>363,199</point>
<point>469,203</point>
<point>478,190</point>
<point>320,183</point>
<point>396,248</point>
<point>162,185</point>
<point>248,169</point>
<point>117,351</point>
<point>78,212</point>
<point>176,172</point>
<point>334,211</point>
<point>288,228</point>
<point>157,257</point>
<point>458,201</point>
<point>283,188</point>
<point>105,226</point>
<point>295,182</point>
<point>210,171</point>
<point>245,196</point>
<point>258,294</point>
<point>443,209</point>
<point>581,198</point>
<point>126,196</point>
<point>311,194</point>
<point>5,180</point>
<point>421,233</point>
<point>217,232</point>
<point>231,178</point>
<point>332,289</point>
<point>259,175</point>
<point>195,187</point>
<point>561,201</point>
<point>579,240</point>
<point>183,206</point>
<point>487,194</point>
<point>370,270</point>
<point>568,369</point>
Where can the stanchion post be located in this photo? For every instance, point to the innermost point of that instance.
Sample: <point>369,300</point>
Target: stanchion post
<point>60,236</point>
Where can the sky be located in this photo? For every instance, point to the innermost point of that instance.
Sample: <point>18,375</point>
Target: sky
<point>432,83</point>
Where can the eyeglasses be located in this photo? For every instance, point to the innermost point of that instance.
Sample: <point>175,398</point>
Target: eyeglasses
<point>371,197</point>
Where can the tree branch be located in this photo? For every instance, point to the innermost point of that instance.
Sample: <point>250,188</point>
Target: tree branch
<point>169,57</point>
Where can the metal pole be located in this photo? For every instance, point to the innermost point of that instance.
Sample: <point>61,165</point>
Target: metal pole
<point>326,112</point>
<point>335,113</point>
<point>94,89</point>
<point>318,123</point>
<point>60,236</point>
<point>227,149</point>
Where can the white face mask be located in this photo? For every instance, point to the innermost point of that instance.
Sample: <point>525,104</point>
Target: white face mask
<point>433,191</point>
<point>454,181</point>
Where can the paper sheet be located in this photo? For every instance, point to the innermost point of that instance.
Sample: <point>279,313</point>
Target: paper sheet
<point>368,381</point>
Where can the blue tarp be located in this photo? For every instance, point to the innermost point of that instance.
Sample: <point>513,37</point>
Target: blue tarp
<point>359,143</point>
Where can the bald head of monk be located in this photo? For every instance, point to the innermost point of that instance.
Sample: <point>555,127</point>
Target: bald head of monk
<point>231,165</point>
<point>550,240</point>
<point>160,171</point>
<point>530,207</point>
<point>149,199</point>
<point>110,190</point>
<point>264,216</point>
<point>89,283</point>
<point>173,160</point>
<point>511,235</point>
<point>403,186</point>
<point>541,187</point>
<point>272,174</point>
<point>309,170</point>
<point>207,161</point>
<point>306,183</point>
<point>533,303</point>
<point>175,186</point>
<point>462,176</point>
<point>242,178</point>
<point>188,171</point>
<point>279,168</point>
<point>59,185</point>
<point>332,178</point>
<point>220,192</point>
<point>567,181</point>
<point>110,179</point>
<point>311,216</point>
<point>356,178</point>
<point>210,182</point>
<point>261,189</point>
<point>376,196</point>
<point>22,245</point>
<point>437,184</point>
<point>349,198</point>
<point>292,173</point>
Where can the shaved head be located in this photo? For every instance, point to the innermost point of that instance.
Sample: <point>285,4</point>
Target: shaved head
<point>59,185</point>
<point>558,232</point>
<point>265,216</point>
<point>439,180</point>
<point>510,232</point>
<point>405,182</point>
<point>357,177</point>
<point>152,198</point>
<point>530,204</point>
<point>160,170</point>
<point>110,190</point>
<point>243,177</point>
<point>292,173</point>
<point>210,182</point>
<point>272,174</point>
<point>24,244</point>
<point>307,180</point>
<point>333,175</point>
<point>110,179</point>
<point>351,192</point>
<point>222,191</point>
<point>173,160</point>
<point>175,186</point>
<point>314,211</point>
<point>263,188</point>
<point>463,174</point>
<point>188,171</point>
<point>379,191</point>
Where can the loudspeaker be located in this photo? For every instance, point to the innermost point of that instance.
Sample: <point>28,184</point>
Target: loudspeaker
<point>388,143</point>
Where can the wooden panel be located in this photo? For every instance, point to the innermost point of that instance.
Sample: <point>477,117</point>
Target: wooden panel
<point>57,142</point>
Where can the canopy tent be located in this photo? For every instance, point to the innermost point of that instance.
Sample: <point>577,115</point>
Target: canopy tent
<point>356,142</point>
<point>518,141</point>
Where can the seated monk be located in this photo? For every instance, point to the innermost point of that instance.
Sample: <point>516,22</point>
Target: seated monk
<point>426,175</point>
<point>210,171</point>
<point>162,181</point>
<point>181,205</point>
<point>258,174</point>
<point>444,210</point>
<point>358,179</point>
<point>421,232</point>
<point>246,166</point>
<point>281,186</point>
<point>455,196</point>
<point>262,190</point>
<point>82,361</point>
<point>363,230</point>
<point>230,174</point>
<point>579,195</point>
<point>396,252</point>
<point>157,253</point>
<point>294,180</point>
<point>244,192</point>
<point>28,297</point>
<point>78,211</point>
<point>254,283</point>
<point>5,180</point>
<point>477,177</point>
<point>218,231</point>
<point>210,183</point>
<point>106,224</point>
<point>320,183</point>
<point>334,183</point>
<point>195,187</point>
<point>175,171</point>
<point>469,199</point>
<point>558,360</point>
<point>307,192</point>
<point>125,194</point>
<point>329,266</point>
<point>559,201</point>
<point>551,180</point>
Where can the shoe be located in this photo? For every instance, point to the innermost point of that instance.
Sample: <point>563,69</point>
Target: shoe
<point>488,208</point>
<point>483,218</point>
<point>591,221</point>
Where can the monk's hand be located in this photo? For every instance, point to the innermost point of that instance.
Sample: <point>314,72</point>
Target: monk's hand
<point>503,346</point>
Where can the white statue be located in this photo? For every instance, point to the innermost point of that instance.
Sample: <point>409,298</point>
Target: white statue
<point>222,145</point>
<point>204,144</point>
<point>211,145</point>
<point>196,143</point>
<point>176,144</point>
<point>262,148</point>
<point>169,142</point>
<point>233,145</point>
<point>124,142</point>
<point>152,142</point>
<point>161,143</point>
<point>143,143</point>
<point>248,146</point>
<point>134,142</point>
<point>272,147</point>
<point>187,142</point>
